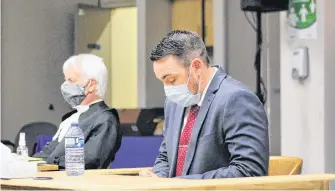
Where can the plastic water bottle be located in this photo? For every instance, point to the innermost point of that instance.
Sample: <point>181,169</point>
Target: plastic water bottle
<point>22,149</point>
<point>74,151</point>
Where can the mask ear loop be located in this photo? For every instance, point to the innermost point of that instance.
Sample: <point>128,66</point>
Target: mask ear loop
<point>88,81</point>
<point>188,78</point>
<point>199,84</point>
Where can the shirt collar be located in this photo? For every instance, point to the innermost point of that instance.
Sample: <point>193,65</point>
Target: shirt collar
<point>84,108</point>
<point>206,88</point>
<point>96,101</point>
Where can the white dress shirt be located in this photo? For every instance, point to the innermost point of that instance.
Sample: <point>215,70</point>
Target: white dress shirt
<point>201,99</point>
<point>66,124</point>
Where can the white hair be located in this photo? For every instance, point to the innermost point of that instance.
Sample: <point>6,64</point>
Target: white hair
<point>92,67</point>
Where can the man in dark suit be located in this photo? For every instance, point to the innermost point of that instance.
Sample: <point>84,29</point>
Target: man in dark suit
<point>215,127</point>
<point>84,89</point>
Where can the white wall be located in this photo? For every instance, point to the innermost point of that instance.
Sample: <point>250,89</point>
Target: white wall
<point>307,109</point>
<point>37,37</point>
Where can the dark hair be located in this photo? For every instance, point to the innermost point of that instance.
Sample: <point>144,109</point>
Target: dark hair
<point>185,45</point>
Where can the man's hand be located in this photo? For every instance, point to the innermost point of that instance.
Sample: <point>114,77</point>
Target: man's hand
<point>147,173</point>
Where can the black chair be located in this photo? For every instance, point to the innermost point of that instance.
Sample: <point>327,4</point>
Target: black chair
<point>32,131</point>
<point>146,120</point>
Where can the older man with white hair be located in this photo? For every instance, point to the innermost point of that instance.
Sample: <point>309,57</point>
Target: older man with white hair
<point>84,90</point>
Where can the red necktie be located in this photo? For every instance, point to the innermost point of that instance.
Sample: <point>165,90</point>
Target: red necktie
<point>185,139</point>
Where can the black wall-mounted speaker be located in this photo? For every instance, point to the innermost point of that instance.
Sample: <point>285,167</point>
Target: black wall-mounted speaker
<point>264,5</point>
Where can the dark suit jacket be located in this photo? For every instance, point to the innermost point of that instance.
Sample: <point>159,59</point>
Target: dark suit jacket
<point>102,133</point>
<point>229,138</point>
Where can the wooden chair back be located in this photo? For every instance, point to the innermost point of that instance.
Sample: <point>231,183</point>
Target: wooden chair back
<point>283,165</point>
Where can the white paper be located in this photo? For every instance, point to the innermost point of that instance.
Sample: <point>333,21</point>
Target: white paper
<point>11,167</point>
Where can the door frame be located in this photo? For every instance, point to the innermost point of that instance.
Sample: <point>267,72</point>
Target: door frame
<point>81,6</point>
<point>130,3</point>
<point>111,4</point>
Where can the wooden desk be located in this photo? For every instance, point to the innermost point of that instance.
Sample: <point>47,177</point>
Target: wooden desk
<point>105,180</point>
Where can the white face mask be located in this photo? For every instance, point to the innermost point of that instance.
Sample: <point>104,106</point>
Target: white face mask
<point>181,94</point>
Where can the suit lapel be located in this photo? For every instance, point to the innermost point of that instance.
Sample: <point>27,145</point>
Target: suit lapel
<point>209,97</point>
<point>177,124</point>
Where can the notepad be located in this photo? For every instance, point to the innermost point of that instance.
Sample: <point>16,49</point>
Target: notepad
<point>11,167</point>
<point>30,159</point>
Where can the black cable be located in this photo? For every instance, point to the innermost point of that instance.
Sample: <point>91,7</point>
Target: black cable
<point>261,88</point>
<point>264,91</point>
<point>258,58</point>
<point>203,20</point>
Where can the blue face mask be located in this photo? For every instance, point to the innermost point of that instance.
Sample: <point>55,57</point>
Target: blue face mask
<point>181,94</point>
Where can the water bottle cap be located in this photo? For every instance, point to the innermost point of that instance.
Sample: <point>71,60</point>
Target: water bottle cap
<point>75,124</point>
<point>22,141</point>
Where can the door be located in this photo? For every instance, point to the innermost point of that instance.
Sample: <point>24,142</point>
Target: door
<point>124,58</point>
<point>186,15</point>
<point>209,22</point>
<point>112,35</point>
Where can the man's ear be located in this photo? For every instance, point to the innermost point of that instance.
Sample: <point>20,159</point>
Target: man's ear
<point>92,84</point>
<point>196,66</point>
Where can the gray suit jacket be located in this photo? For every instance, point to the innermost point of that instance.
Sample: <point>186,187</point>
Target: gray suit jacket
<point>229,138</point>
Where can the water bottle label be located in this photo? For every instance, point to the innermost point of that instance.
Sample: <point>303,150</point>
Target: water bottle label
<point>74,155</point>
<point>74,142</point>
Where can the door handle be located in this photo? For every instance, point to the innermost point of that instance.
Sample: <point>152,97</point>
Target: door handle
<point>93,46</point>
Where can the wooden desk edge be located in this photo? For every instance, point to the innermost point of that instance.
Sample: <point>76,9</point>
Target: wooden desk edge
<point>305,182</point>
<point>121,171</point>
<point>289,182</point>
<point>129,170</point>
